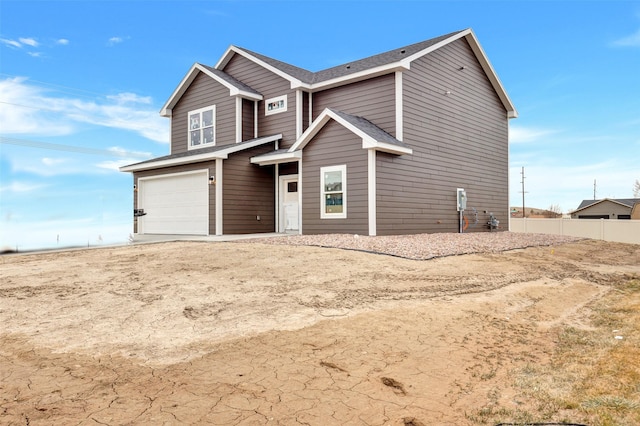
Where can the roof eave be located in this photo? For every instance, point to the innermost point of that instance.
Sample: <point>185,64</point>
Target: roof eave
<point>355,77</point>
<point>188,79</point>
<point>197,158</point>
<point>232,50</point>
<point>489,71</point>
<point>285,157</point>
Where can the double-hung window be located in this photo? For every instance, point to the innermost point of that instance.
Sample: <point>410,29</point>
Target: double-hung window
<point>202,127</point>
<point>333,192</point>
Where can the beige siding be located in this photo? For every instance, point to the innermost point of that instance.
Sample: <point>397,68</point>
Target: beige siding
<point>204,92</point>
<point>605,208</point>
<point>249,192</point>
<point>334,146</point>
<point>373,99</point>
<point>458,140</point>
<point>270,86</point>
<point>210,165</point>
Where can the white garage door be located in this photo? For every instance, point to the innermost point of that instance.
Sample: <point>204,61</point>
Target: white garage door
<point>174,204</point>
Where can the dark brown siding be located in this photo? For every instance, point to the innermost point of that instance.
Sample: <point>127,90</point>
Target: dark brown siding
<point>210,165</point>
<point>249,192</point>
<point>458,140</point>
<point>247,119</point>
<point>334,146</point>
<point>373,99</point>
<point>204,92</point>
<point>269,85</point>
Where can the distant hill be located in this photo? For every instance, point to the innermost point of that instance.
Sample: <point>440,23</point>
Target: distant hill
<point>534,212</point>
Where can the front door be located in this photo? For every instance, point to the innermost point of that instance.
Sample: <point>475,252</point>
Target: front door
<point>289,213</point>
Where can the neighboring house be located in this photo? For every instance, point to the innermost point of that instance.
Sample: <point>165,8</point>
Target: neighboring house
<point>377,146</point>
<point>605,209</point>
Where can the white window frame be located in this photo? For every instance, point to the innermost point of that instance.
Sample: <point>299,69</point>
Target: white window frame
<point>323,193</point>
<point>280,102</point>
<point>201,129</point>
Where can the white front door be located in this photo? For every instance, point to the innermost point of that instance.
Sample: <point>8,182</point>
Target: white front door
<point>289,216</point>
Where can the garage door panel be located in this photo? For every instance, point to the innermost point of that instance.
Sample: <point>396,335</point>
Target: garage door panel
<point>175,204</point>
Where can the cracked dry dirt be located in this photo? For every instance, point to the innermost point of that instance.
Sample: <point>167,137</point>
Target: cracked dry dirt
<point>237,333</point>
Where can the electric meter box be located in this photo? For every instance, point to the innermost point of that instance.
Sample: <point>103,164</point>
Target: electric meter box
<point>462,199</point>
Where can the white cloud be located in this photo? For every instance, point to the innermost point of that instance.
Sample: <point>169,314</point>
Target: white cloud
<point>52,161</point>
<point>632,40</point>
<point>29,41</point>
<point>519,134</point>
<point>116,40</point>
<point>127,97</point>
<point>114,165</point>
<point>62,41</point>
<point>10,43</point>
<point>35,54</point>
<point>28,109</point>
<point>17,186</point>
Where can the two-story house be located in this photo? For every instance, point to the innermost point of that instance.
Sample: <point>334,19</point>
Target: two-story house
<point>377,146</point>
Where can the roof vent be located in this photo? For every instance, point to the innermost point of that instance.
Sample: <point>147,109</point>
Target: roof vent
<point>403,51</point>
<point>348,66</point>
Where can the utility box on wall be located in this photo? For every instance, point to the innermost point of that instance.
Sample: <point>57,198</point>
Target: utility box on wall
<point>462,199</point>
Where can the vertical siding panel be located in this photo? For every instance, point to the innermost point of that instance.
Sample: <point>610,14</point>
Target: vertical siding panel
<point>458,140</point>
<point>333,146</point>
<point>203,92</point>
<point>269,85</point>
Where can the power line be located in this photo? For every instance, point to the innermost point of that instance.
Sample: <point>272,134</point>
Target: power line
<point>71,148</point>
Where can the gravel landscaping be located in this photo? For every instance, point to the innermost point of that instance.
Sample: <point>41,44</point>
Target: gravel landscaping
<point>425,246</point>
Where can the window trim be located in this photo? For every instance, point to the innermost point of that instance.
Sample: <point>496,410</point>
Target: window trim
<point>200,111</point>
<point>323,194</point>
<point>282,98</point>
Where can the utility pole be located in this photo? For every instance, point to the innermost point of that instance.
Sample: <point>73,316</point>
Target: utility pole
<point>523,192</point>
<point>594,189</point>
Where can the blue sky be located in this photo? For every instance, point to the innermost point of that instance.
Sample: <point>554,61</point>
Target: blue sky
<point>82,83</point>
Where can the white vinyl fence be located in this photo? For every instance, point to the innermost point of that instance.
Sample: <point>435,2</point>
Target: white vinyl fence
<point>621,231</point>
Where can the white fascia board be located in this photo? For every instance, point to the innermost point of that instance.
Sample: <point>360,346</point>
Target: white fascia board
<point>385,147</point>
<point>491,73</point>
<point>285,157</point>
<point>352,78</point>
<point>179,91</point>
<point>220,154</point>
<point>233,50</point>
<point>224,153</point>
<point>169,162</point>
<point>311,131</point>
<point>367,141</point>
<point>233,90</point>
<point>407,61</point>
<point>188,79</point>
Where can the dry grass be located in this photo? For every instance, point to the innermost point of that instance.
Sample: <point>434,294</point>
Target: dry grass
<point>593,377</point>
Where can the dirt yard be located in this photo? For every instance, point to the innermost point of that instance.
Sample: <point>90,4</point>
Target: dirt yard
<point>253,334</point>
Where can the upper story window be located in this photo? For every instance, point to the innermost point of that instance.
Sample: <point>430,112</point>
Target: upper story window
<point>275,105</point>
<point>202,127</point>
<point>333,190</point>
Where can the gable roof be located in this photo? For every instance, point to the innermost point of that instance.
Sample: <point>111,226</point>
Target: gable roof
<point>372,136</point>
<point>627,202</point>
<point>236,88</point>
<point>198,155</point>
<point>383,63</point>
